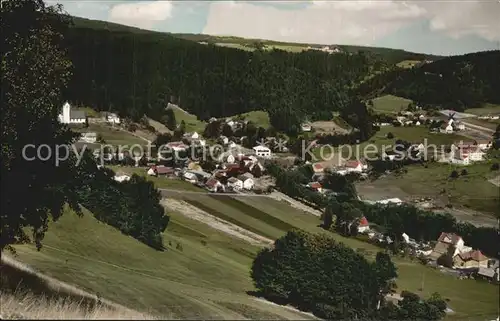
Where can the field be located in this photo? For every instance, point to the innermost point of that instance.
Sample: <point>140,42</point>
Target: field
<point>192,122</point>
<point>485,110</point>
<point>472,191</point>
<point>390,104</point>
<point>415,134</point>
<point>112,136</point>
<point>160,182</point>
<point>203,274</point>
<point>206,273</point>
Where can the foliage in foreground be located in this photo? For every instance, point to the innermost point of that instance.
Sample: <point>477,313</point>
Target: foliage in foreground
<point>34,72</point>
<point>315,273</point>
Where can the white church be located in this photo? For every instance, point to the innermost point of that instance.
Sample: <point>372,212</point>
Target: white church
<point>69,116</point>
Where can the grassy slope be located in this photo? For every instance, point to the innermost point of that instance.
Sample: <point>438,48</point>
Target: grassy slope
<point>198,281</point>
<point>261,118</point>
<point>466,296</point>
<point>210,279</point>
<point>485,110</point>
<point>390,104</point>
<point>192,122</point>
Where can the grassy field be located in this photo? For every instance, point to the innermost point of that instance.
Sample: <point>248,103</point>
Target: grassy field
<point>261,118</point>
<point>192,122</point>
<point>471,191</point>
<point>390,104</point>
<point>488,123</point>
<point>205,273</point>
<point>160,182</point>
<point>466,297</point>
<point>415,134</point>
<point>485,110</point>
<point>111,135</point>
<point>202,275</point>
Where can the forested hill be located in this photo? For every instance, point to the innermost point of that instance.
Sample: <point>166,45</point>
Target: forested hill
<point>137,73</point>
<point>390,55</point>
<point>456,82</point>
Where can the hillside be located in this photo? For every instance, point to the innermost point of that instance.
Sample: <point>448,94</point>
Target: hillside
<point>458,82</point>
<point>136,72</point>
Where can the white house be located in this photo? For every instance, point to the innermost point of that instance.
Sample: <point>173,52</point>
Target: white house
<point>227,158</point>
<point>223,140</point>
<point>354,166</point>
<point>248,182</point>
<point>69,116</point>
<point>90,137</point>
<point>448,129</point>
<point>476,155</point>
<point>190,177</point>
<point>262,151</point>
<point>460,126</point>
<point>193,135</point>
<point>235,183</point>
<point>121,178</point>
<point>113,118</point>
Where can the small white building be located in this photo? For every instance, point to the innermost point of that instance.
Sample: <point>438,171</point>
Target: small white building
<point>235,183</point>
<point>484,144</point>
<point>262,151</point>
<point>69,116</point>
<point>190,177</point>
<point>306,127</point>
<point>193,135</point>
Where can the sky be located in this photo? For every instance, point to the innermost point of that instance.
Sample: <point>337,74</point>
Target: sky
<point>435,27</point>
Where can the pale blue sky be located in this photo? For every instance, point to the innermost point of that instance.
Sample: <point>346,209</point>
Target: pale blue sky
<point>437,27</point>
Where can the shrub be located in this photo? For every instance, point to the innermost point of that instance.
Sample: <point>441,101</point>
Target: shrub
<point>495,167</point>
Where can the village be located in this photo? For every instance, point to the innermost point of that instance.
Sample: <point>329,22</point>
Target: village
<point>240,170</point>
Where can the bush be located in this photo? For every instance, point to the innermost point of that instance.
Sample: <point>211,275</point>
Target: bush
<point>390,135</point>
<point>463,172</point>
<point>454,174</point>
<point>495,167</point>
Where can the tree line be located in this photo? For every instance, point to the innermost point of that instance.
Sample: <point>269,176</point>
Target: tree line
<point>309,272</point>
<point>139,73</point>
<point>36,188</point>
<point>456,82</point>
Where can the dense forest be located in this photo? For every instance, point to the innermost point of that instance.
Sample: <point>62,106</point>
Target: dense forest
<point>138,73</point>
<point>457,82</point>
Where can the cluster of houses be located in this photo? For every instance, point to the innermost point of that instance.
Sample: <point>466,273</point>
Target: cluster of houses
<point>465,153</point>
<point>71,115</point>
<point>489,117</point>
<point>464,258</point>
<point>233,173</point>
